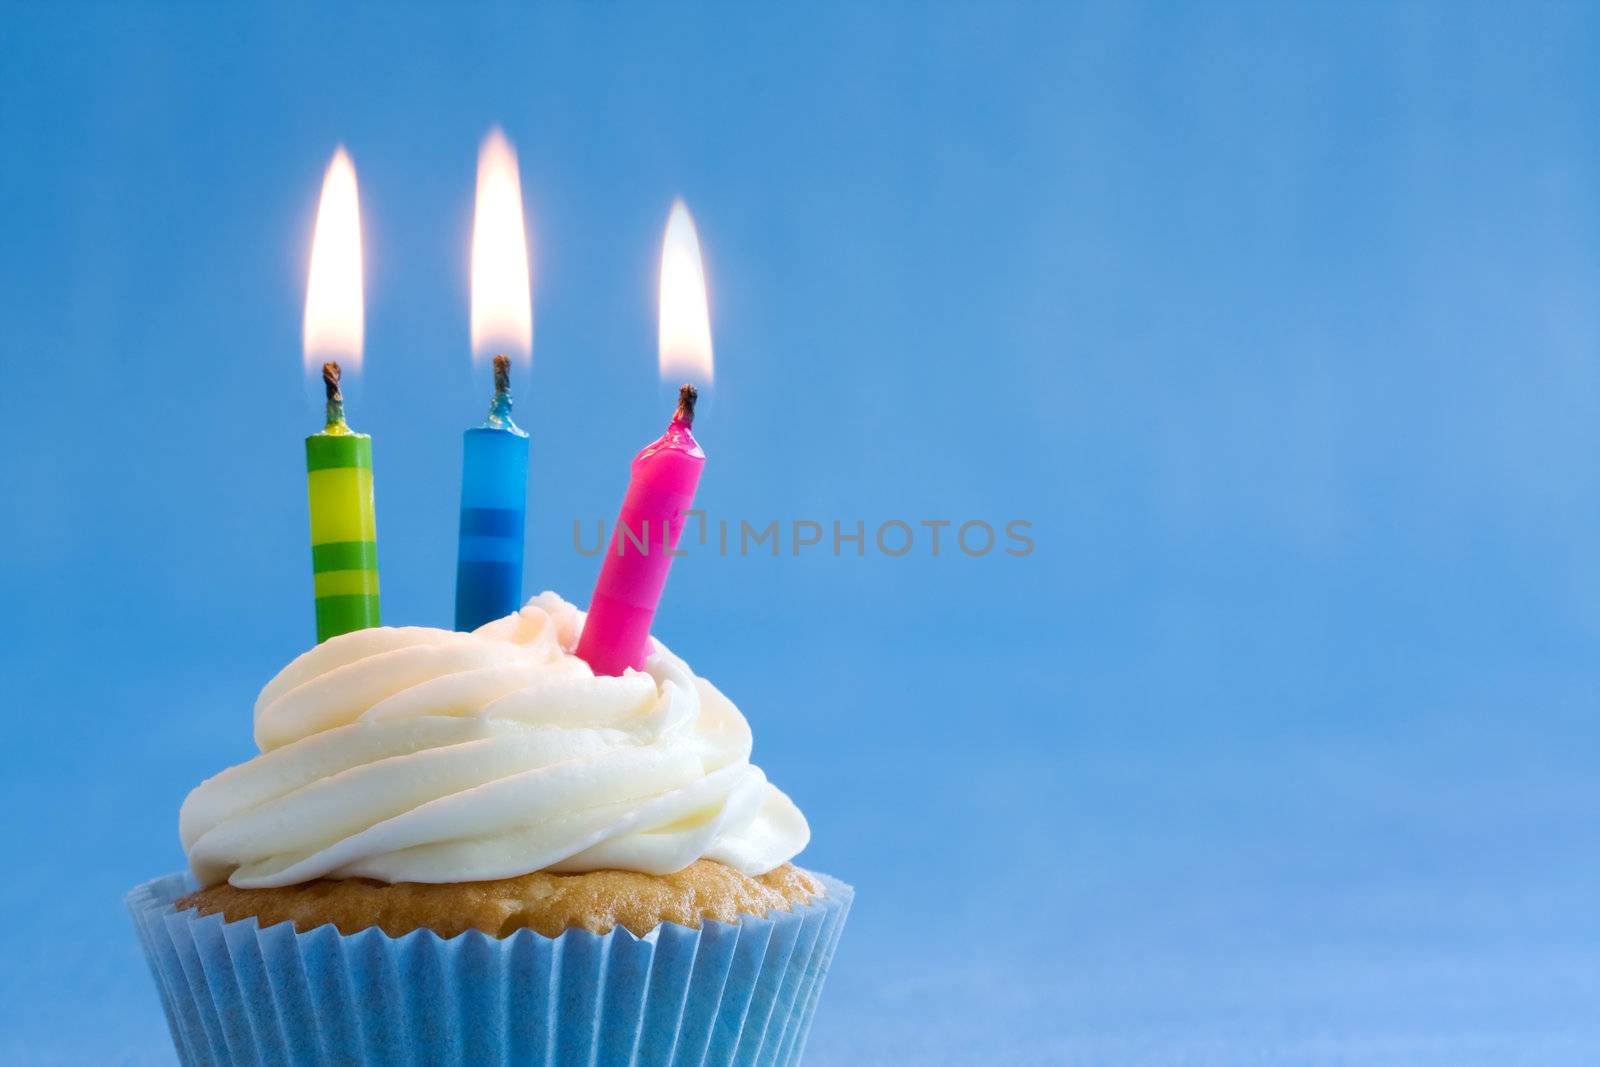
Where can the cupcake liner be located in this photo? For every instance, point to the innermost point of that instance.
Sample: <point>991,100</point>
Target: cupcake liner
<point>726,993</point>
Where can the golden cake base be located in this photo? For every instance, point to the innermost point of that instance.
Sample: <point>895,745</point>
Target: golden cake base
<point>543,902</point>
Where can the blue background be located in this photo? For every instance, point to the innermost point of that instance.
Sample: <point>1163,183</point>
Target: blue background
<point>1280,326</point>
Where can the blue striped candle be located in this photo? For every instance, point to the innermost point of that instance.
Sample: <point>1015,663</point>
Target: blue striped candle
<point>494,504</point>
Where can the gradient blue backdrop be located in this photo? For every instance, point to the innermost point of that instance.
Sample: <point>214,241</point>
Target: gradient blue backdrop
<point>1279,324</point>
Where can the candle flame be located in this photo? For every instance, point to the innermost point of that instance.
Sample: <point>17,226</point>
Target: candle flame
<point>335,316</point>
<point>502,311</point>
<point>685,323</point>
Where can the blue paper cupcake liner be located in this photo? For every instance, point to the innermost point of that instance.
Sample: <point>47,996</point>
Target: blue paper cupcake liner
<point>726,993</point>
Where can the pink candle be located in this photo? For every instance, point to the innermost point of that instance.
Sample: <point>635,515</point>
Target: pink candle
<point>661,489</point>
<point>660,494</point>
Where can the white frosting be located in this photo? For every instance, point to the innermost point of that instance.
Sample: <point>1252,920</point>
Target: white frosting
<point>410,754</point>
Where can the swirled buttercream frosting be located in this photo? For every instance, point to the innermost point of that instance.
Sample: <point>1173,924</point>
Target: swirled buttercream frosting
<point>410,754</point>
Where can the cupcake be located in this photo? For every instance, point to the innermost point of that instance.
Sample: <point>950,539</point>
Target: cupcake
<point>468,848</point>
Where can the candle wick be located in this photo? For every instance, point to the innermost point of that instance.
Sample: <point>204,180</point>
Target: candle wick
<point>500,405</point>
<point>687,396</point>
<point>330,386</point>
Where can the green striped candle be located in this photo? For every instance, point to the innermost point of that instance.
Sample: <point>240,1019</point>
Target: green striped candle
<point>344,529</point>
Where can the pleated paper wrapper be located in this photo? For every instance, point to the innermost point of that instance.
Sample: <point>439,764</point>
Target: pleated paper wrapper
<point>726,993</point>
